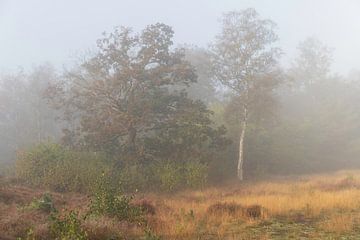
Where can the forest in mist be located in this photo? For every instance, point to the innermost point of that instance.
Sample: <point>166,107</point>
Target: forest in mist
<point>183,115</point>
<point>146,138</point>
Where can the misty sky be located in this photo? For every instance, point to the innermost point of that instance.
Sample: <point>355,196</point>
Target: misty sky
<point>35,31</point>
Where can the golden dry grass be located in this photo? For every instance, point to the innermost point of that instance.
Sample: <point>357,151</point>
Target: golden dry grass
<point>317,206</point>
<point>308,197</point>
<point>338,223</point>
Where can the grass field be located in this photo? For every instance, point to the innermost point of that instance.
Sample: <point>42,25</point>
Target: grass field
<point>308,207</point>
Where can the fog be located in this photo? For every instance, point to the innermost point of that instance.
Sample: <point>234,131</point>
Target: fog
<point>272,88</point>
<point>179,119</point>
<point>35,31</point>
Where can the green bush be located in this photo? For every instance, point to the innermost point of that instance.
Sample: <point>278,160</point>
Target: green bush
<point>172,176</point>
<point>45,203</point>
<point>34,164</point>
<point>77,173</point>
<point>53,166</point>
<point>135,177</point>
<point>67,227</point>
<point>58,168</point>
<point>108,200</point>
<point>196,174</point>
<point>169,175</point>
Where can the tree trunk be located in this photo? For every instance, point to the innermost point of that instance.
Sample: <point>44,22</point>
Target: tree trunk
<point>241,147</point>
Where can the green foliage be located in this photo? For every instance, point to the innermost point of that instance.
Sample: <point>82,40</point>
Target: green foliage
<point>167,176</point>
<point>135,177</point>
<point>170,176</point>
<point>78,172</point>
<point>173,176</point>
<point>45,203</point>
<point>53,166</point>
<point>196,174</point>
<point>108,200</point>
<point>136,121</point>
<point>34,164</point>
<point>29,235</point>
<point>98,90</point>
<point>67,227</point>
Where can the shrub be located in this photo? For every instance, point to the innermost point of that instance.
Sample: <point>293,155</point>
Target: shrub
<point>108,200</point>
<point>170,176</point>
<point>67,227</point>
<point>173,176</point>
<point>53,166</point>
<point>77,173</point>
<point>34,165</point>
<point>45,204</point>
<point>167,176</point>
<point>135,177</point>
<point>196,174</point>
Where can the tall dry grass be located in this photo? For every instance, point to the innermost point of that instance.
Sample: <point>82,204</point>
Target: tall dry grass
<point>186,214</point>
<point>328,202</point>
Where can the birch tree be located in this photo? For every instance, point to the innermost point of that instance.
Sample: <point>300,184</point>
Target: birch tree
<point>245,61</point>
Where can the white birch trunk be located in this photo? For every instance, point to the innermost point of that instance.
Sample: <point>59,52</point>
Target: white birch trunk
<point>241,147</point>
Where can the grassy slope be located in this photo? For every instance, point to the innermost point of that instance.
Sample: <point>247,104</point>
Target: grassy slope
<point>310,207</point>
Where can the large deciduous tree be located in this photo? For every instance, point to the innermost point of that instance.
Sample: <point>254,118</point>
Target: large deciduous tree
<point>245,62</point>
<point>131,93</point>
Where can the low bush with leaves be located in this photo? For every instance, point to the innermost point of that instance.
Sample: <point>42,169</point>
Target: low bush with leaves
<point>109,200</point>
<point>135,177</point>
<point>45,204</point>
<point>196,174</point>
<point>67,227</point>
<point>53,166</point>
<point>172,176</point>
<point>169,175</point>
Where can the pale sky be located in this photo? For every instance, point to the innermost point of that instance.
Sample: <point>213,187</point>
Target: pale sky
<point>35,31</point>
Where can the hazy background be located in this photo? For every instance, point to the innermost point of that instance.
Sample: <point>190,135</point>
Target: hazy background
<point>303,117</point>
<point>34,31</point>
